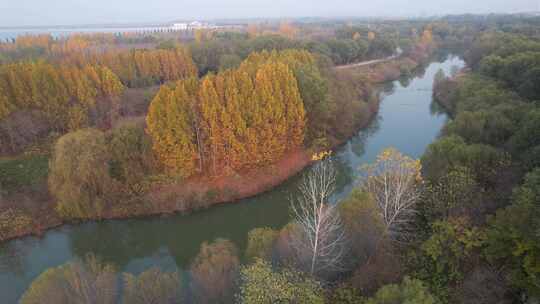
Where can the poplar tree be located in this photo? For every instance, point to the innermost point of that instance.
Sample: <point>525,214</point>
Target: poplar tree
<point>208,98</point>
<point>168,122</point>
<point>273,129</point>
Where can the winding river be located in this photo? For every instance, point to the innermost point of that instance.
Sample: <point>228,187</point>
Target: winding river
<point>407,120</point>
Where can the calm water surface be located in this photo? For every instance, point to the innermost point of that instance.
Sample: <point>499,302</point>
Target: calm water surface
<point>407,120</point>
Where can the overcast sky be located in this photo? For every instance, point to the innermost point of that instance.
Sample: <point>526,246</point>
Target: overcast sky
<point>66,12</point>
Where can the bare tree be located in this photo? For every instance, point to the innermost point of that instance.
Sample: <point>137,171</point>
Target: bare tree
<point>393,181</point>
<point>320,240</point>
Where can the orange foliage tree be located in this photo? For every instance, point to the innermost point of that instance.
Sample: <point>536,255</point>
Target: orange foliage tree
<point>239,118</point>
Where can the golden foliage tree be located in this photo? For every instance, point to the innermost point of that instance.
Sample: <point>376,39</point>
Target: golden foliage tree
<point>239,118</point>
<point>169,122</point>
<point>427,37</point>
<point>64,94</point>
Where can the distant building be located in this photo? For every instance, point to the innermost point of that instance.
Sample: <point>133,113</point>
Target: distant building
<point>180,26</point>
<point>195,25</point>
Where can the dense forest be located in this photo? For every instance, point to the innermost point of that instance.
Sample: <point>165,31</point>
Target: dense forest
<point>459,225</point>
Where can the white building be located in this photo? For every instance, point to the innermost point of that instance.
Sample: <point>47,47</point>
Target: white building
<point>180,26</point>
<point>195,25</point>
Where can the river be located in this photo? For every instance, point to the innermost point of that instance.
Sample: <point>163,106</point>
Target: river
<point>407,120</point>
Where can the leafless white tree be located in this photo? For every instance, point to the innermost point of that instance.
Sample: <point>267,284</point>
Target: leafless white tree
<point>393,181</point>
<point>320,241</point>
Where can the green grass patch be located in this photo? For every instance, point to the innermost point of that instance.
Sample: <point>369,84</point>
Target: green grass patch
<point>23,171</point>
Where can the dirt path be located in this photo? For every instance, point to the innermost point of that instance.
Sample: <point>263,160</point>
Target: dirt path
<point>364,63</point>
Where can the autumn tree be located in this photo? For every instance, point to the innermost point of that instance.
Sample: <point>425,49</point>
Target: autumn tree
<point>287,29</point>
<point>253,30</point>
<point>79,174</point>
<point>427,37</point>
<point>210,106</point>
<point>86,282</point>
<point>152,286</point>
<point>394,183</point>
<point>320,242</point>
<point>70,97</point>
<point>213,272</point>
<point>236,119</point>
<point>170,124</point>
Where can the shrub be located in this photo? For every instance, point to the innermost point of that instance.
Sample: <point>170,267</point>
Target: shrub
<point>84,282</point>
<point>262,285</point>
<point>131,156</point>
<point>260,243</point>
<point>79,174</point>
<point>214,271</point>
<point>152,286</point>
<point>13,220</point>
<point>409,291</point>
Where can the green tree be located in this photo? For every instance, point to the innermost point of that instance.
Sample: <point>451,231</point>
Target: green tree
<point>409,291</point>
<point>314,92</point>
<point>345,294</point>
<point>363,224</point>
<point>260,284</point>
<point>452,152</point>
<point>260,243</point>
<point>131,156</point>
<point>450,249</point>
<point>454,194</point>
<point>513,236</point>
<point>151,287</point>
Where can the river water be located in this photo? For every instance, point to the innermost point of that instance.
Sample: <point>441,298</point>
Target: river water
<point>407,120</point>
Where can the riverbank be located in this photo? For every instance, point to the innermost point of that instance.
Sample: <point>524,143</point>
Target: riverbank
<point>193,194</point>
<point>202,192</point>
<point>443,92</point>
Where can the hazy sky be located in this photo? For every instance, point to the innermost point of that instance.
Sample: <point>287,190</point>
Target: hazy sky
<point>63,12</point>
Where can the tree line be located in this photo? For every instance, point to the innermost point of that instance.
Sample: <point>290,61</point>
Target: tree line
<point>140,67</point>
<point>69,97</point>
<point>483,178</point>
